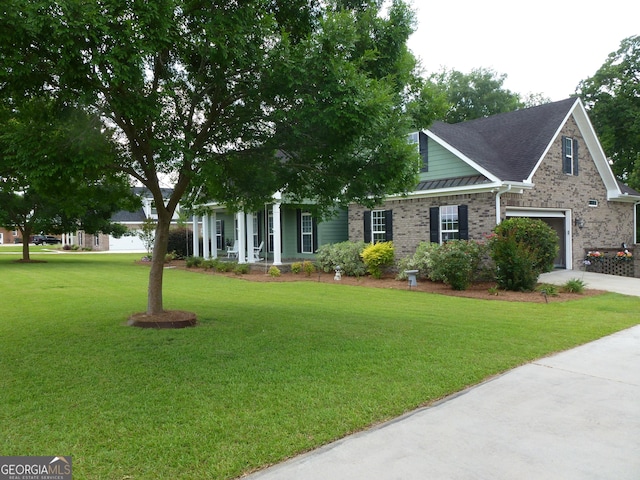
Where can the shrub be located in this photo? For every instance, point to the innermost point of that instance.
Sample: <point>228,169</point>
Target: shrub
<point>224,267</point>
<point>343,254</point>
<point>274,271</point>
<point>522,249</point>
<point>457,263</point>
<point>574,285</point>
<point>194,262</point>
<point>308,267</point>
<point>548,289</point>
<point>241,269</point>
<point>377,257</point>
<point>296,267</point>
<point>421,260</point>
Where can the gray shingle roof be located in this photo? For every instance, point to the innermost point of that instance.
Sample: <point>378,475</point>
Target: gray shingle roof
<point>508,145</point>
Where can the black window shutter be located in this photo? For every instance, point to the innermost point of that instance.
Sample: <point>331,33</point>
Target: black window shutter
<point>367,226</point>
<point>260,227</point>
<point>299,230</point>
<point>388,225</point>
<point>463,222</point>
<point>434,219</point>
<point>315,234</point>
<point>222,240</point>
<point>424,151</point>
<point>575,156</point>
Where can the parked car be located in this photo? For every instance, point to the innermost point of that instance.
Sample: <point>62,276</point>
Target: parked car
<point>45,239</point>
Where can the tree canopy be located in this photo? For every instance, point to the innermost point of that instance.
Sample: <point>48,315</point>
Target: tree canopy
<point>479,93</point>
<point>233,100</point>
<point>612,97</point>
<point>51,178</point>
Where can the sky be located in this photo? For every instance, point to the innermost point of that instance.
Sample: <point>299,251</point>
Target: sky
<point>547,47</point>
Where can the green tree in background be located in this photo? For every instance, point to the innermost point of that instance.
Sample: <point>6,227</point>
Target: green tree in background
<point>612,97</point>
<point>478,94</point>
<point>51,176</point>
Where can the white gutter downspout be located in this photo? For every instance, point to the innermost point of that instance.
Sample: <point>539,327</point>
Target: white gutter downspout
<point>498,195</point>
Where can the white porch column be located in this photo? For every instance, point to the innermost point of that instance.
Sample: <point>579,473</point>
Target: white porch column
<point>196,236</point>
<point>242,240</point>
<point>206,230</point>
<point>250,232</point>
<point>277,239</point>
<point>214,236</point>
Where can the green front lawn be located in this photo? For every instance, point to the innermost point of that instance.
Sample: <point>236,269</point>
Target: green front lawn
<point>272,370</point>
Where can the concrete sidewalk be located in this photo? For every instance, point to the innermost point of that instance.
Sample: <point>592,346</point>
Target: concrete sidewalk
<point>574,415</point>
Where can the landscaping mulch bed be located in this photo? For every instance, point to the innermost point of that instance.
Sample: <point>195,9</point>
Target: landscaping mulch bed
<point>483,290</point>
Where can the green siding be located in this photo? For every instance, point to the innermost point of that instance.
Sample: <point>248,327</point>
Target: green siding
<point>335,229</point>
<point>444,164</point>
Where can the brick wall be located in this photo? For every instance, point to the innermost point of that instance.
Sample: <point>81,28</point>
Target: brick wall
<point>411,221</point>
<point>607,225</point>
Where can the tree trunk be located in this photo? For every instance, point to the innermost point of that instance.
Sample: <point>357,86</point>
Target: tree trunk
<point>160,245</point>
<point>26,234</point>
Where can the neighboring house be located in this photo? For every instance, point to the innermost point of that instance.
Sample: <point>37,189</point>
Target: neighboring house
<point>281,231</point>
<point>132,220</point>
<point>9,237</point>
<point>543,162</point>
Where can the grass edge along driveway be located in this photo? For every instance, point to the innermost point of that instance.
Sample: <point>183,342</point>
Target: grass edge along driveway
<point>273,369</point>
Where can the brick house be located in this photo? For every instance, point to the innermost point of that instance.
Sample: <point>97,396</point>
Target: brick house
<point>9,237</point>
<point>542,162</point>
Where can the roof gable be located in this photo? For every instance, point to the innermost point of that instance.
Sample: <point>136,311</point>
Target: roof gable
<point>510,145</point>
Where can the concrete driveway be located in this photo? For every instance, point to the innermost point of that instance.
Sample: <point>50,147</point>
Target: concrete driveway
<point>573,415</point>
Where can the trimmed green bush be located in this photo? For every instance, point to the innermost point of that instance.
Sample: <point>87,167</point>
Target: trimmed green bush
<point>522,249</point>
<point>377,257</point>
<point>241,269</point>
<point>274,271</point>
<point>421,260</point>
<point>343,254</point>
<point>457,263</point>
<point>308,268</point>
<point>180,242</point>
<point>296,267</point>
<point>192,262</point>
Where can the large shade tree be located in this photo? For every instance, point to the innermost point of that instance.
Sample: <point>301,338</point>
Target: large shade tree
<point>479,93</point>
<point>51,175</point>
<point>612,97</point>
<point>232,100</point>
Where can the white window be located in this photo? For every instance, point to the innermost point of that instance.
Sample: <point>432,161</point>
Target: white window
<point>414,139</point>
<point>593,202</point>
<point>568,154</point>
<point>219,239</point>
<point>96,240</point>
<point>270,229</point>
<point>378,226</point>
<point>256,239</point>
<point>306,230</point>
<point>449,224</point>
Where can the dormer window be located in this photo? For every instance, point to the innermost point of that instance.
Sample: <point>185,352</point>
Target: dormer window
<point>569,156</point>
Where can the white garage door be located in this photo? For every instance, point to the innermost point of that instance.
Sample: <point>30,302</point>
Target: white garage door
<point>126,243</point>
